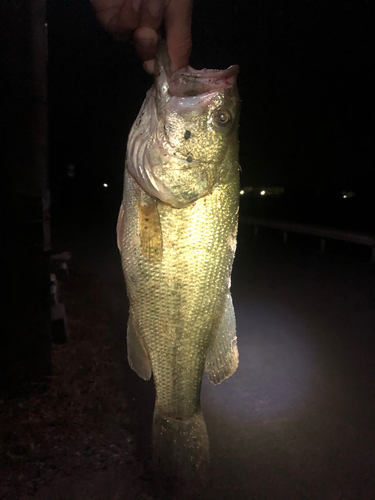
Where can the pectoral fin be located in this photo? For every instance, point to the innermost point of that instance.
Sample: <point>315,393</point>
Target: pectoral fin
<point>137,356</point>
<point>222,355</point>
<point>150,232</point>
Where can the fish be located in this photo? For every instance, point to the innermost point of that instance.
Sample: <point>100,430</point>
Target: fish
<point>177,236</point>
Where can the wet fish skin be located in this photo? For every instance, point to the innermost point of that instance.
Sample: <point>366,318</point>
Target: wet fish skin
<point>177,237</point>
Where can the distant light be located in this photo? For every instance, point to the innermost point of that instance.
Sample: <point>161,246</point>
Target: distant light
<point>347,194</point>
<point>262,193</point>
<point>105,185</point>
<point>242,191</point>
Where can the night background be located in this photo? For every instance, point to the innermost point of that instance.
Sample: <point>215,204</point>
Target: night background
<point>306,83</point>
<point>296,421</point>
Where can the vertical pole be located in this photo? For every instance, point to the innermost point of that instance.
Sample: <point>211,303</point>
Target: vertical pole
<point>25,341</point>
<point>38,92</point>
<point>40,361</point>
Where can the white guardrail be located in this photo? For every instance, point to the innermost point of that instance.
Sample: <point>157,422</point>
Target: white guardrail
<point>321,232</point>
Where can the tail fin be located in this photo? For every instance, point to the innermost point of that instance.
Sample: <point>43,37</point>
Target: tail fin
<point>181,454</point>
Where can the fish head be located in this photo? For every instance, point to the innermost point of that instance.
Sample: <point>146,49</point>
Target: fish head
<point>192,132</point>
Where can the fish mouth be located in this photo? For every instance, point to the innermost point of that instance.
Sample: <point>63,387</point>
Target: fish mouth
<point>194,82</point>
<point>189,81</point>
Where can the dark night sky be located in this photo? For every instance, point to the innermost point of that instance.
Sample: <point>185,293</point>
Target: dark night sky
<point>307,85</point>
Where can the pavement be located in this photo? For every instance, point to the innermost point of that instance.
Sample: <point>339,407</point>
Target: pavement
<point>297,420</point>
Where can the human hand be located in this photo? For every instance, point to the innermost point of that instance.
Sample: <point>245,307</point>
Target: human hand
<point>143,19</point>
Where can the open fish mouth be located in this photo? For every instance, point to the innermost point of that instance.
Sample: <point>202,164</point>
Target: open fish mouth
<point>193,82</point>
<point>190,81</point>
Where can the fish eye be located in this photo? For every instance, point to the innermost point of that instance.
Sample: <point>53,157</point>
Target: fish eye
<point>222,117</point>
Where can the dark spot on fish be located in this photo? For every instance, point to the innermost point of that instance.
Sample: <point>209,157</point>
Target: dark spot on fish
<point>146,220</point>
<point>187,134</point>
<point>189,159</point>
<point>146,227</point>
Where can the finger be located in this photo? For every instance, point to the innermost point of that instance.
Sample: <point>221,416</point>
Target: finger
<point>178,30</point>
<point>119,17</point>
<point>149,66</point>
<point>145,41</point>
<point>152,14</point>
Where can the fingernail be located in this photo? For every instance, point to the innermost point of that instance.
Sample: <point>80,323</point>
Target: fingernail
<point>136,5</point>
<point>154,7</point>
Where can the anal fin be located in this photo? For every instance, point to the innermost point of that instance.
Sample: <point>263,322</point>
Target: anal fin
<point>137,356</point>
<point>222,355</point>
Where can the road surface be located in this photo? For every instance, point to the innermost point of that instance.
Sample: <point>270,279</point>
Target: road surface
<point>297,420</point>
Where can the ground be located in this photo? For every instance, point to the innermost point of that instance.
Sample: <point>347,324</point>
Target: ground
<point>78,433</point>
<point>295,422</point>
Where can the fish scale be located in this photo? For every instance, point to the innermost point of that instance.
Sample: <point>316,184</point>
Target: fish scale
<point>177,244</point>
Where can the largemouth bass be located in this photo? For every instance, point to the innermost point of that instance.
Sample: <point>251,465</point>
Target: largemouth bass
<point>177,232</point>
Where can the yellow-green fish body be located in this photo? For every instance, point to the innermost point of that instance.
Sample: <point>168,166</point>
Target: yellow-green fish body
<point>177,237</point>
